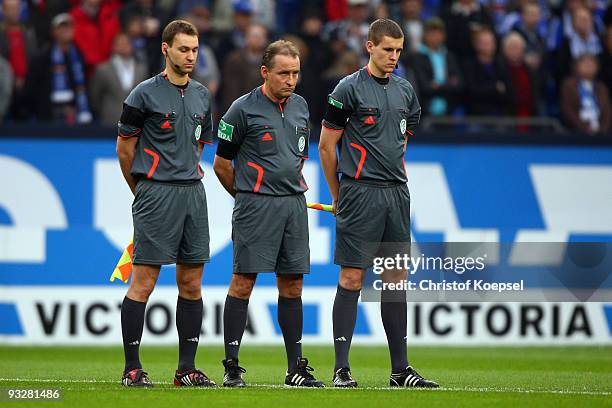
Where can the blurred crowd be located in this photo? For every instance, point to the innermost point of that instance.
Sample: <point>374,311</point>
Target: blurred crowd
<point>74,62</point>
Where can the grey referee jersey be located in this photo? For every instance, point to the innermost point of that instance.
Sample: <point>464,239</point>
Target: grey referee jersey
<point>381,119</point>
<point>273,140</point>
<point>176,122</point>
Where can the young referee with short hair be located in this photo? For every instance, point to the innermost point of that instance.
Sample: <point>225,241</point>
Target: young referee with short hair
<point>166,120</point>
<point>370,114</point>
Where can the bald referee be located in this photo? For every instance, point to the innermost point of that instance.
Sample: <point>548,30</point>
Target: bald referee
<point>370,115</point>
<point>263,142</point>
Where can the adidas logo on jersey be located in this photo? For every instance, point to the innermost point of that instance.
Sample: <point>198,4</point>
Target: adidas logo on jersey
<point>134,343</point>
<point>194,339</point>
<point>234,343</point>
<point>340,339</point>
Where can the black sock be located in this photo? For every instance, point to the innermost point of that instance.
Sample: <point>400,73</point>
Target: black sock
<point>234,321</point>
<point>188,325</point>
<point>394,313</point>
<point>290,321</point>
<point>132,323</point>
<point>344,316</point>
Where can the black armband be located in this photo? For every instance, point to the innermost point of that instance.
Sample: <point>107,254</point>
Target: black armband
<point>336,116</point>
<point>132,116</point>
<point>227,150</point>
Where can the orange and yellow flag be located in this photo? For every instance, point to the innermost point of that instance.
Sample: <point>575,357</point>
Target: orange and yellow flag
<point>124,266</point>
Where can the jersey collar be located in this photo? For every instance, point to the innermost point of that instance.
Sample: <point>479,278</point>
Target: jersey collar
<point>164,75</point>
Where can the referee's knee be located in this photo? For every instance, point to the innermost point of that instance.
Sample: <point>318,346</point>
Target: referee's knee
<point>241,286</point>
<point>351,278</point>
<point>140,292</point>
<point>290,286</point>
<point>190,289</point>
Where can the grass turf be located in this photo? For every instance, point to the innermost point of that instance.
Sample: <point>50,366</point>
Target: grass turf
<point>483,376</point>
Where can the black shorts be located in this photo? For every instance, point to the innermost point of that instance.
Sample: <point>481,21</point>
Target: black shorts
<point>370,214</point>
<point>270,234</point>
<point>170,223</point>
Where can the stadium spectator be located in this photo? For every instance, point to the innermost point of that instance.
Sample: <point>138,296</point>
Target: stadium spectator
<point>6,86</point>
<point>529,27</point>
<point>289,15</point>
<point>345,64</point>
<point>241,69</point>
<point>206,70</point>
<point>488,89</point>
<point>113,81</point>
<point>582,40</point>
<point>351,32</point>
<point>336,10</point>
<point>499,11</point>
<point>39,15</point>
<point>605,62</point>
<point>185,7</point>
<point>463,17</point>
<point>134,29</point>
<point>314,60</point>
<point>201,16</point>
<point>55,88</point>
<point>96,22</point>
<point>151,17</point>
<point>381,11</point>
<point>585,102</point>
<point>432,8</point>
<point>264,13</point>
<point>17,45</point>
<point>524,80</point>
<point>412,23</point>
<point>154,17</point>
<point>561,27</point>
<point>437,71</point>
<point>235,39</point>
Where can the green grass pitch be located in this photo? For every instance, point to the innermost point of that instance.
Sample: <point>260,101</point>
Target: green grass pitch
<point>469,376</point>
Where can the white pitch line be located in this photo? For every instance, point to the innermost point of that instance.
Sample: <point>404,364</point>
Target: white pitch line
<point>282,387</point>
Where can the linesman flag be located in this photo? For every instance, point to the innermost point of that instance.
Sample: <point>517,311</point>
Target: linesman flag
<point>124,266</point>
<point>320,207</point>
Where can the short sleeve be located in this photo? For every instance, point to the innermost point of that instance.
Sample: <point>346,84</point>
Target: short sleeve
<point>339,106</point>
<point>207,127</point>
<point>414,111</point>
<point>136,98</point>
<point>233,126</point>
<point>133,114</point>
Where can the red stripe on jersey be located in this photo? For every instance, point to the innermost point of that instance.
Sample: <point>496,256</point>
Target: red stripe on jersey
<point>361,159</point>
<point>155,162</point>
<point>260,172</point>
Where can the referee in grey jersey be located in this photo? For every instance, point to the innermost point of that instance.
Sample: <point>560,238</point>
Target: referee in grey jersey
<point>265,134</point>
<point>166,120</point>
<point>371,114</point>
